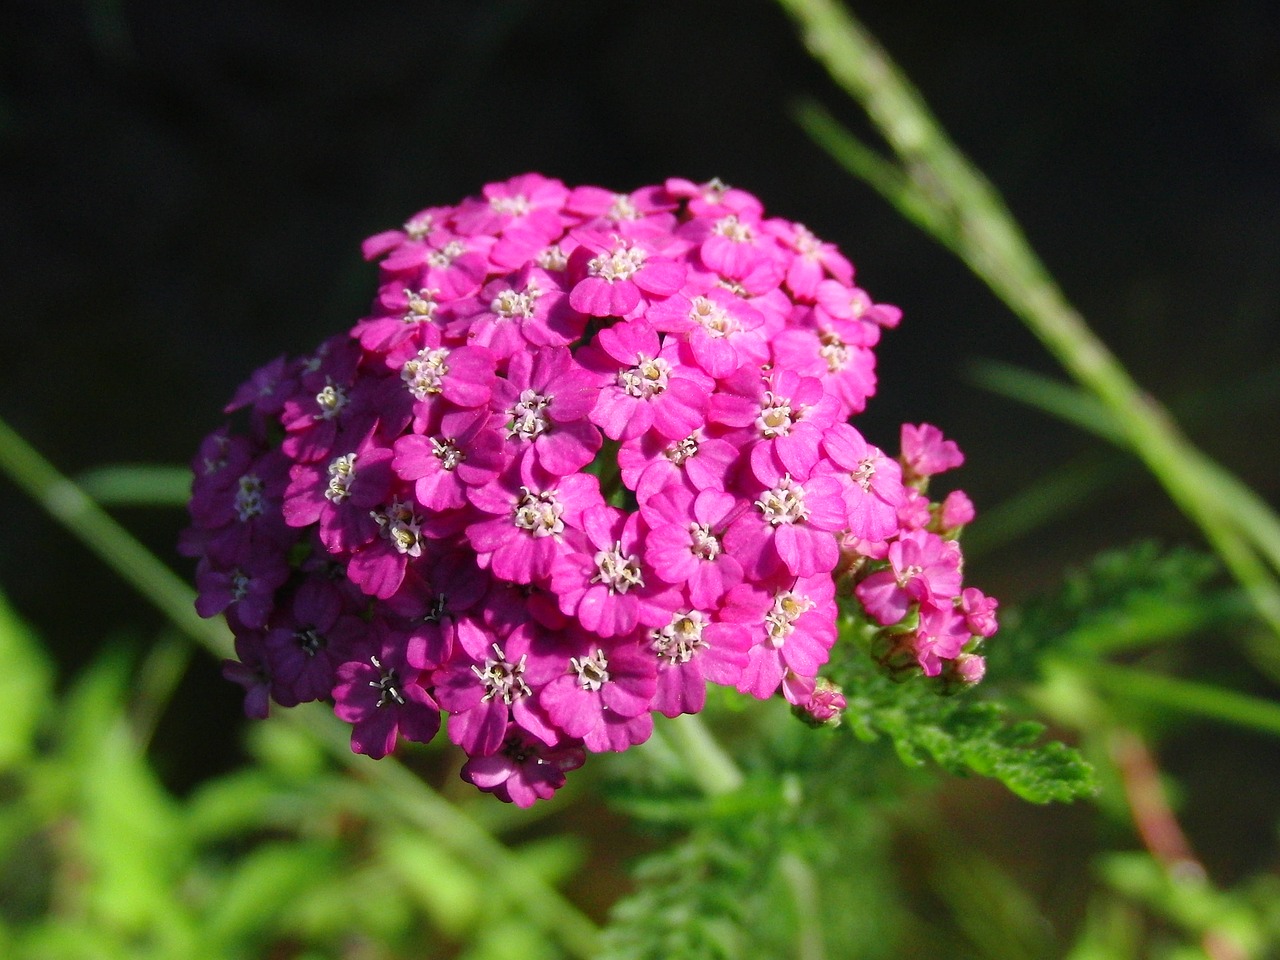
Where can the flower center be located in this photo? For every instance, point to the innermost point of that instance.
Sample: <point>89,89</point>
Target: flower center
<point>239,584</point>
<point>648,378</point>
<point>511,303</point>
<point>617,570</point>
<point>552,258</point>
<point>909,573</point>
<point>780,621</point>
<point>834,351</point>
<point>331,400</point>
<point>680,639</point>
<point>682,450</point>
<point>418,227</point>
<point>593,671</point>
<point>623,208</point>
<point>529,416</point>
<point>775,416</point>
<point>704,544</point>
<point>310,641</point>
<point>621,264</point>
<point>539,513</point>
<point>502,678</point>
<point>712,317</point>
<point>342,472</point>
<point>783,503</point>
<point>864,473</point>
<point>424,374</point>
<point>447,452</point>
<point>387,684</point>
<point>516,206</point>
<point>445,256</point>
<point>422,306</point>
<point>401,526</point>
<point>249,497</point>
<point>731,228</point>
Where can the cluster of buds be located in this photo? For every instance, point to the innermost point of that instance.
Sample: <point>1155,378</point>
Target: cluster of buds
<point>589,452</point>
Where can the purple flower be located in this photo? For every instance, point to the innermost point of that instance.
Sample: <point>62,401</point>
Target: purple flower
<point>383,700</point>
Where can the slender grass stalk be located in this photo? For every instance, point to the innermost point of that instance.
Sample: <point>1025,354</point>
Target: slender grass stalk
<point>935,185</point>
<point>1184,696</point>
<point>402,792</point>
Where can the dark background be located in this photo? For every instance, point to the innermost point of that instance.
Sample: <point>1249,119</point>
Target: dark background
<point>184,188</point>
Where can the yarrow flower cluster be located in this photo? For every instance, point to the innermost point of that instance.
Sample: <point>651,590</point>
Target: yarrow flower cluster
<point>589,452</point>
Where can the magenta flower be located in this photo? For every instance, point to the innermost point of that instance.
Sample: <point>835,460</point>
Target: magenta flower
<point>522,542</point>
<point>923,566</point>
<point>545,399</point>
<point>615,276</point>
<point>693,649</point>
<point>382,699</point>
<point>524,770</point>
<point>603,695</point>
<point>587,452</point>
<point>925,451</point>
<point>791,526</point>
<point>874,491</point>
<point>685,543</point>
<point>645,385</point>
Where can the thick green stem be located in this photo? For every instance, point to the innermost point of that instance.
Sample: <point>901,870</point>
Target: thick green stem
<point>937,187</point>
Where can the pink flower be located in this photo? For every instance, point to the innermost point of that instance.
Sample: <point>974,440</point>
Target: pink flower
<point>693,649</point>
<point>586,453</point>
<point>545,399</point>
<point>382,699</point>
<point>923,567</point>
<point>684,546</point>
<point>526,534</point>
<point>645,385</point>
<point>615,276</point>
<point>791,526</point>
<point>603,696</point>
<point>524,770</point>
<point>925,451</point>
<point>601,582</point>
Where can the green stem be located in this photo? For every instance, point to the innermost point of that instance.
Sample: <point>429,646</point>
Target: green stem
<point>805,896</point>
<point>702,756</point>
<point>1188,696</point>
<point>938,188</point>
<point>404,793</point>
<point>115,546</point>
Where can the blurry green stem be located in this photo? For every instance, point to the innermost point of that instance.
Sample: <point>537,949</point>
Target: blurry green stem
<point>404,792</point>
<point>806,897</point>
<point>702,756</point>
<point>114,545</point>
<point>934,185</point>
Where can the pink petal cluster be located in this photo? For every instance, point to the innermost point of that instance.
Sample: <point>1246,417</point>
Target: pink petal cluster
<point>589,452</point>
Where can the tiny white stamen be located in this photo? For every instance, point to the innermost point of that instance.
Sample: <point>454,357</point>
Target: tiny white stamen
<point>501,678</point>
<point>387,685</point>
<point>331,400</point>
<point>539,513</point>
<point>780,621</point>
<point>529,418</point>
<point>682,450</point>
<point>445,256</point>
<point>617,570</point>
<point>399,524</point>
<point>424,374</point>
<point>647,379</point>
<point>703,543</point>
<point>447,452</point>
<point>775,418</point>
<point>593,671</point>
<point>621,264</point>
<point>342,472</point>
<point>680,639</point>
<point>731,228</point>
<point>783,503</point>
